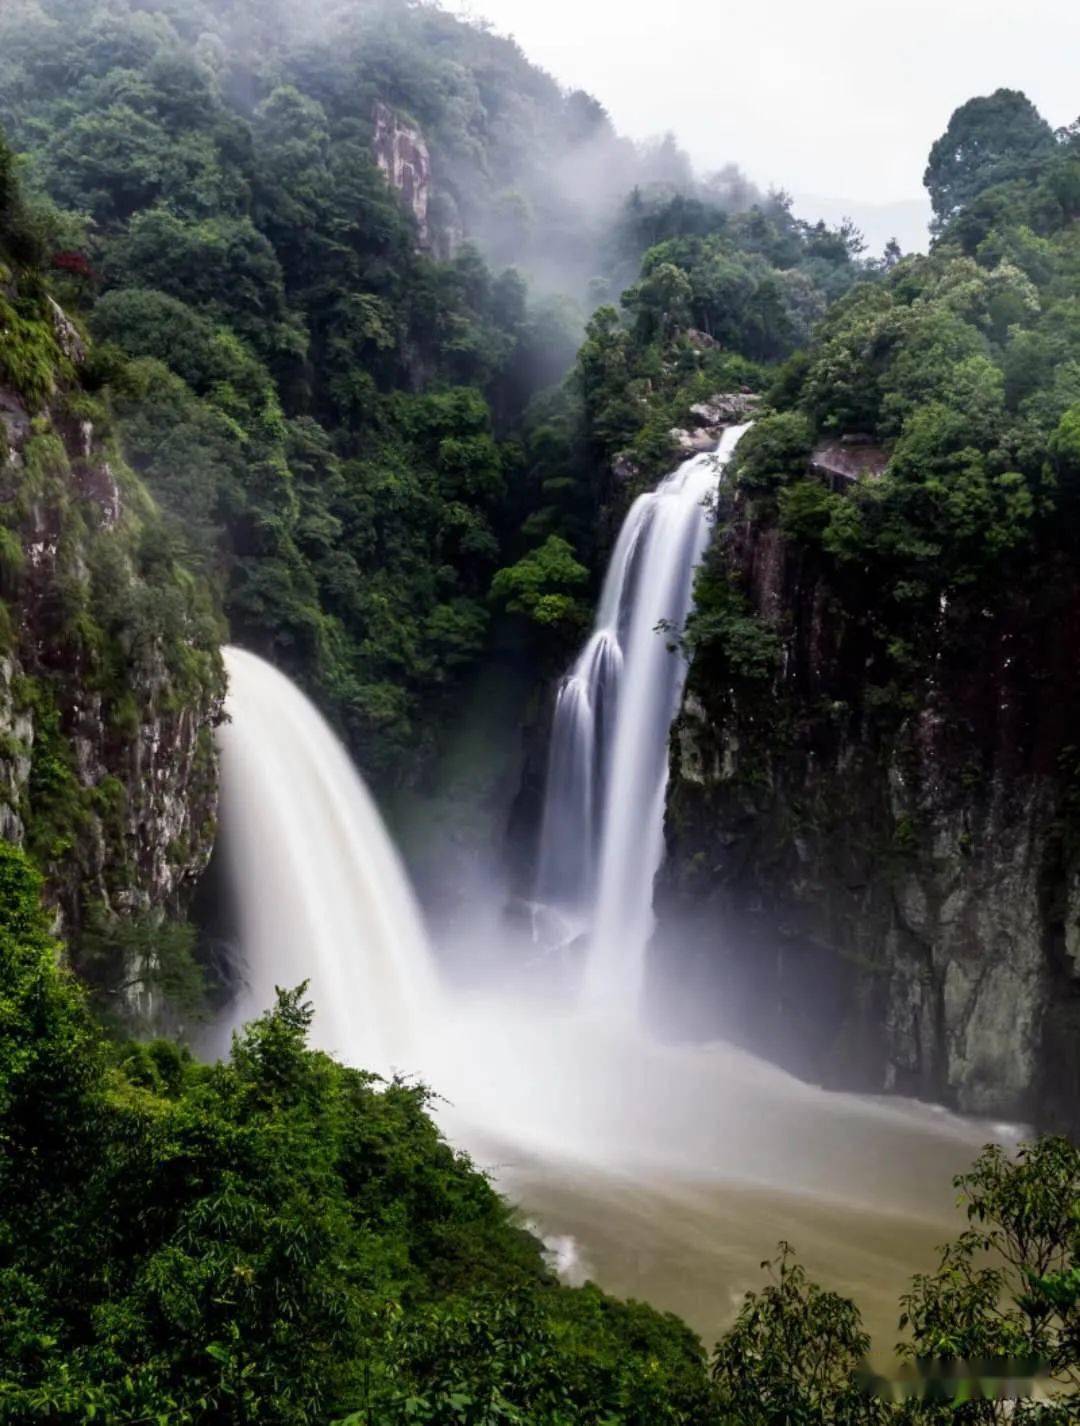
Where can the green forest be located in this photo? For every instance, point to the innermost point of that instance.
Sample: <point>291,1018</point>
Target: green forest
<point>249,394</point>
<point>355,441</point>
<point>962,368</point>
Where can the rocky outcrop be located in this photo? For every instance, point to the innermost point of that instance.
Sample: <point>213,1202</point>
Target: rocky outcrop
<point>625,469</point>
<point>851,458</point>
<point>692,443</point>
<point>401,151</point>
<point>726,408</point>
<point>709,419</point>
<point>110,684</point>
<point>886,897</point>
<point>66,334</point>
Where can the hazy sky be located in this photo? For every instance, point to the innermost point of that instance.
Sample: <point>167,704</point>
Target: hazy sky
<point>833,97</point>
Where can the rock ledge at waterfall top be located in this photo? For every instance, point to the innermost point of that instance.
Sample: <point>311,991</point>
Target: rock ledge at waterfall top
<point>709,420</point>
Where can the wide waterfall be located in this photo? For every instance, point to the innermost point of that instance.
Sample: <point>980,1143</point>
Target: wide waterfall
<point>322,894</point>
<point>601,838</point>
<point>676,1164</point>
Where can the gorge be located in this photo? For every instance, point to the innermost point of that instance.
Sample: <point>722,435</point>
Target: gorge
<point>538,769</point>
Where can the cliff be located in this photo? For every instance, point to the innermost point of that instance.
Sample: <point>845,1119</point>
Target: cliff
<point>402,154</point>
<point>882,888</point>
<point>110,680</point>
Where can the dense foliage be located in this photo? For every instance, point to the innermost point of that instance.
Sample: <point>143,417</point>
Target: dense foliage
<point>358,436</point>
<point>272,1239</point>
<point>322,404</point>
<point>959,373</point>
<point>265,324</point>
<point>105,630</point>
<point>329,399</point>
<point>279,1239</point>
<point>719,297</point>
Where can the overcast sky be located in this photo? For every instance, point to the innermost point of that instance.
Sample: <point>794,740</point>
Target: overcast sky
<point>839,98</point>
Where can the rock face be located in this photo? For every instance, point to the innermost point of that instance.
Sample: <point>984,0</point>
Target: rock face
<point>886,899</point>
<point>401,151</point>
<point>110,686</point>
<point>709,418</point>
<point>726,408</point>
<point>625,470</point>
<point>692,443</point>
<point>841,463</point>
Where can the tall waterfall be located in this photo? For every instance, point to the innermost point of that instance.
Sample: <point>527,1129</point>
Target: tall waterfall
<point>568,1097</point>
<point>601,838</point>
<point>322,894</point>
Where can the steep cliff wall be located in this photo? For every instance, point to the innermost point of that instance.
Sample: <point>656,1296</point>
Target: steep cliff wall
<point>402,153</point>
<point>882,886</point>
<point>110,680</point>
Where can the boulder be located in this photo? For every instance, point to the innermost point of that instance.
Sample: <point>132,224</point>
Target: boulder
<point>728,408</point>
<point>692,443</point>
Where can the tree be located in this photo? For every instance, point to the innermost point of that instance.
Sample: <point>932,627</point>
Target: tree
<point>989,140</point>
<point>1009,1287</point>
<point>275,1239</point>
<point>794,1356</point>
<point>775,449</point>
<point>47,1057</point>
<point>541,586</point>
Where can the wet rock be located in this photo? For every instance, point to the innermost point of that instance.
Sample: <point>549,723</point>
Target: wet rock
<point>16,422</point>
<point>401,151</point>
<point>97,484</point>
<point>690,443</point>
<point>730,408</point>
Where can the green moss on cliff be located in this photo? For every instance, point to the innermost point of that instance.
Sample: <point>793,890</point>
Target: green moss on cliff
<point>112,643</point>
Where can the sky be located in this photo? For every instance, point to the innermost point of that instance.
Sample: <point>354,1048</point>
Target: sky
<point>838,101</point>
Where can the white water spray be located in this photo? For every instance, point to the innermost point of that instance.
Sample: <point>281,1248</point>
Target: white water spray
<point>322,893</point>
<point>323,897</point>
<point>592,1122</point>
<point>601,839</point>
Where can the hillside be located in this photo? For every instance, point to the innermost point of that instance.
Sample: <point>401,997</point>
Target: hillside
<point>110,678</point>
<point>344,333</point>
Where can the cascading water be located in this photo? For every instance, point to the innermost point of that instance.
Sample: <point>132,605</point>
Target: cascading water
<point>578,1106</point>
<point>601,838</point>
<point>321,891</point>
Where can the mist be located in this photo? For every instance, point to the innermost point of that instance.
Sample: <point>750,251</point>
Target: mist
<point>809,97</point>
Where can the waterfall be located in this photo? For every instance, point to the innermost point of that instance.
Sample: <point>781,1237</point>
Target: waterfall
<point>321,892</point>
<point>601,838</point>
<point>567,1096</point>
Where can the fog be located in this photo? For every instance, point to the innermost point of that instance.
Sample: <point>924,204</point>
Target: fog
<point>838,102</point>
